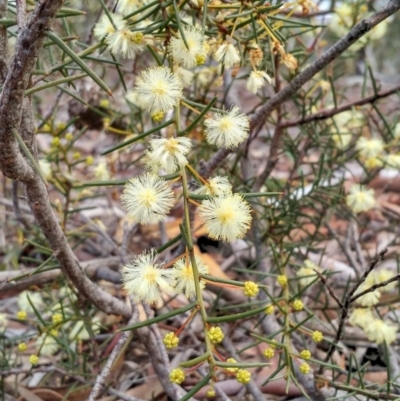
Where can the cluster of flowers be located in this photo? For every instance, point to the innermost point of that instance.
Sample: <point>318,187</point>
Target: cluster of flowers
<point>374,327</point>
<point>128,33</point>
<point>372,152</point>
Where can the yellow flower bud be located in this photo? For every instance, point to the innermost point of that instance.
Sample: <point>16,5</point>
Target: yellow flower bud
<point>304,368</point>
<point>250,289</point>
<point>298,305</point>
<point>317,336</point>
<point>57,318</point>
<point>171,340</point>
<point>33,359</point>
<point>269,353</point>
<point>305,354</point>
<point>282,281</point>
<point>232,370</point>
<point>215,335</point>
<point>21,315</point>
<point>177,376</point>
<point>22,347</point>
<point>243,376</point>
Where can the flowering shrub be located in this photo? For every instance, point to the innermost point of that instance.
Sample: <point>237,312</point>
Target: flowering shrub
<point>228,121</point>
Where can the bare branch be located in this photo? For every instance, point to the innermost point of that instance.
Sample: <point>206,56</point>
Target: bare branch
<point>101,379</point>
<point>327,113</point>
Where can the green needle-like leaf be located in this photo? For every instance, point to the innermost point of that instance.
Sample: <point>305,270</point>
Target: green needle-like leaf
<point>79,62</point>
<point>157,319</point>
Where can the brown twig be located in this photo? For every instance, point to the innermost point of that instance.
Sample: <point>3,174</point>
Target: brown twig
<point>101,379</point>
<point>327,286</point>
<point>327,113</point>
<point>375,287</point>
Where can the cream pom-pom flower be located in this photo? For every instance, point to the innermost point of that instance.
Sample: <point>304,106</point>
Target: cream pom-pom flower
<point>183,275</point>
<point>126,43</point>
<point>370,298</point>
<point>145,279</point>
<point>370,148</point>
<point>107,27</point>
<point>185,76</point>
<point>159,89</point>
<point>227,54</point>
<point>226,218</point>
<point>147,198</point>
<point>360,199</point>
<point>256,80</point>
<point>361,317</point>
<point>168,154</point>
<point>227,130</point>
<point>379,331</point>
<point>192,55</point>
<point>217,186</point>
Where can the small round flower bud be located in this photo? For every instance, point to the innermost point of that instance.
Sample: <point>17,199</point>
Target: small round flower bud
<point>69,136</point>
<point>282,281</point>
<point>250,289</point>
<point>298,305</point>
<point>304,368</point>
<point>269,310</point>
<point>55,141</point>
<point>22,347</point>
<point>54,332</point>
<point>76,155</point>
<point>269,353</point>
<point>210,393</point>
<point>171,340</point>
<point>216,335</point>
<point>57,318</point>
<point>61,127</point>
<point>243,376</point>
<point>89,160</point>
<point>33,359</point>
<point>158,116</point>
<point>46,128</point>
<point>105,103</point>
<point>177,376</point>
<point>317,336</point>
<point>21,315</point>
<point>305,354</point>
<point>232,370</point>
